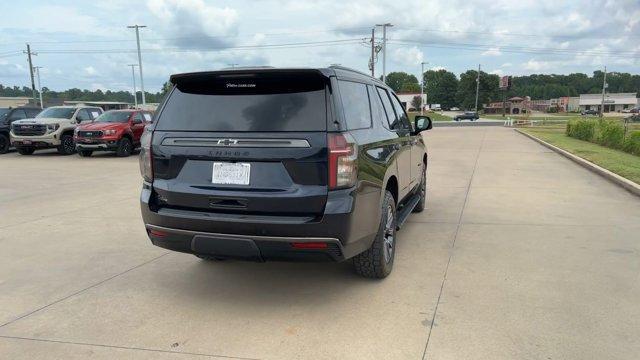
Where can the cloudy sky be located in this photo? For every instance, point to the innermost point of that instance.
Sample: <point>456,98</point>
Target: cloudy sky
<point>87,44</point>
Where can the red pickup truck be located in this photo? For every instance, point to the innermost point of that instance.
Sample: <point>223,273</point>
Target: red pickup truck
<point>115,130</point>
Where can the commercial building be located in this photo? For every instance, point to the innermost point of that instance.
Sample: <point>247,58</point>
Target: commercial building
<point>615,102</point>
<point>14,101</point>
<point>105,105</point>
<point>407,98</point>
<point>513,106</point>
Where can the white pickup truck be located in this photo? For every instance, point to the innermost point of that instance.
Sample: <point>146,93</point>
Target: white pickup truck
<point>52,128</point>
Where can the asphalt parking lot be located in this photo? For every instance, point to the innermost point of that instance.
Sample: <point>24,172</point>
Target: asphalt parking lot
<point>521,254</point>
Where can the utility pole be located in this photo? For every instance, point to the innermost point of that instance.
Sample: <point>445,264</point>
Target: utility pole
<point>37,69</point>
<point>604,87</point>
<point>137,27</point>
<point>422,88</point>
<point>33,85</point>
<point>384,50</point>
<point>135,91</point>
<point>477,87</point>
<point>373,52</point>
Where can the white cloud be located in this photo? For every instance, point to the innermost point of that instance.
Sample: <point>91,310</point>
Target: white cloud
<point>498,72</point>
<point>536,65</point>
<point>438,68</point>
<point>194,23</point>
<point>409,57</point>
<point>507,64</point>
<point>90,70</point>
<point>494,51</point>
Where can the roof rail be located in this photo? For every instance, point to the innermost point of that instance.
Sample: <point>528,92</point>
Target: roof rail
<point>340,67</point>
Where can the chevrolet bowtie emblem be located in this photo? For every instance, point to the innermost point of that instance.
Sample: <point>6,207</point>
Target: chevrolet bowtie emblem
<point>227,142</point>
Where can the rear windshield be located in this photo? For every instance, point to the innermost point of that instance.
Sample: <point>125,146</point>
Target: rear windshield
<point>265,102</point>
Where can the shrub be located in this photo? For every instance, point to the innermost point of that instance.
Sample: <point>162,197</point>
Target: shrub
<point>610,133</point>
<point>632,143</point>
<point>581,129</point>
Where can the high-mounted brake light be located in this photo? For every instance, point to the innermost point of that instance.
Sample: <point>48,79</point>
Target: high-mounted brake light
<point>343,156</point>
<point>146,157</point>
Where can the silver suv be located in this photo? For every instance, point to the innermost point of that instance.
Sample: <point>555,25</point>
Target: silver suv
<point>52,128</point>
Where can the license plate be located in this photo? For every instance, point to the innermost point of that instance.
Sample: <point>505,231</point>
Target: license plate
<point>27,142</point>
<point>231,173</point>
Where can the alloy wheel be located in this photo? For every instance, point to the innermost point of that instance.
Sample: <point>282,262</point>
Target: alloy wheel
<point>389,235</point>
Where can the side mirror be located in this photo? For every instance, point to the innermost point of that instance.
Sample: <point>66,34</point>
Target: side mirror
<point>422,123</point>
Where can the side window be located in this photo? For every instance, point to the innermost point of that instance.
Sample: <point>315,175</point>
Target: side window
<point>94,113</point>
<point>404,119</point>
<point>137,119</point>
<point>82,115</point>
<point>17,115</point>
<point>355,103</point>
<point>388,108</point>
<point>32,112</point>
<point>377,110</point>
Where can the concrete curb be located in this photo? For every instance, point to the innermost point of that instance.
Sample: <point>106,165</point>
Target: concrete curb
<point>467,123</point>
<point>615,178</point>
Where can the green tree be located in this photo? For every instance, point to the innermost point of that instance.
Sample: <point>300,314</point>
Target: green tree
<point>466,94</point>
<point>441,87</point>
<point>401,81</point>
<point>416,102</point>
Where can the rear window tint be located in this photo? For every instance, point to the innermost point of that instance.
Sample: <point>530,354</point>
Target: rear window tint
<point>355,103</point>
<point>251,102</point>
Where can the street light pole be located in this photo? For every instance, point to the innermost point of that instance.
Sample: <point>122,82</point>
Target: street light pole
<point>137,27</point>
<point>422,88</point>
<point>37,69</point>
<point>135,91</point>
<point>384,50</point>
<point>604,86</point>
<point>477,87</point>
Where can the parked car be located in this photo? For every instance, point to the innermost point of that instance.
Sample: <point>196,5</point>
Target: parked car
<point>467,115</point>
<point>633,118</point>
<point>52,128</point>
<point>455,109</point>
<point>283,164</point>
<point>589,112</point>
<point>7,116</point>
<point>115,130</point>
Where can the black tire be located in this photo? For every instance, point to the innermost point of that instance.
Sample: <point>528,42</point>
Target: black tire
<point>4,144</point>
<point>377,261</point>
<point>85,153</point>
<point>26,150</point>
<point>67,145</point>
<point>423,192</point>
<point>209,257</point>
<point>124,147</point>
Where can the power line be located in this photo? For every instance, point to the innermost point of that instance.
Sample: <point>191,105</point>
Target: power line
<point>500,33</point>
<point>203,49</point>
<point>519,49</point>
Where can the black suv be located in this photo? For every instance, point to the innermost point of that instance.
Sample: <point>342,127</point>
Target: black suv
<point>467,115</point>
<point>282,164</point>
<point>9,115</point>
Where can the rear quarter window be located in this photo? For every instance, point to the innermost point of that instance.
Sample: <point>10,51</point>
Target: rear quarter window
<point>355,104</point>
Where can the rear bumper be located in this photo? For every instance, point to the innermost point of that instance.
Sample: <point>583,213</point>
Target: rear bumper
<point>246,247</point>
<point>263,238</point>
<point>97,144</point>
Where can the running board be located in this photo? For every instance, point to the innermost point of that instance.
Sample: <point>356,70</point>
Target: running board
<point>405,211</point>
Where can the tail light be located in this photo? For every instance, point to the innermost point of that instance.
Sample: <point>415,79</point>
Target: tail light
<point>146,166</point>
<point>343,157</point>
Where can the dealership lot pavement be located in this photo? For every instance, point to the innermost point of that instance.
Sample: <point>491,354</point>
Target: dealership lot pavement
<point>520,254</point>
